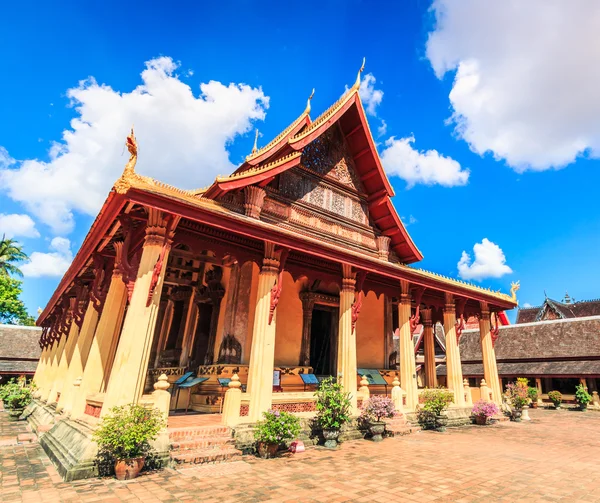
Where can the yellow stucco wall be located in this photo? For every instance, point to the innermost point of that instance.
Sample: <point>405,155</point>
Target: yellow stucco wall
<point>369,333</point>
<point>288,336</point>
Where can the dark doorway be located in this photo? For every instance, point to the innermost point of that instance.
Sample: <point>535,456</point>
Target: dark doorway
<point>202,334</point>
<point>320,342</point>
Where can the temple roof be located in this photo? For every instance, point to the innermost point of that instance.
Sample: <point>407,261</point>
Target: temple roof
<point>559,310</point>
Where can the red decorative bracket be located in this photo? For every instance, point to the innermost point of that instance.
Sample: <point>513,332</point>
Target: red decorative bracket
<point>278,286</point>
<point>415,319</point>
<point>495,331</point>
<point>357,306</point>
<point>460,322</point>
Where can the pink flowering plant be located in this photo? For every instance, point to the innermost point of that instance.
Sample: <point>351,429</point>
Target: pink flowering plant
<point>517,394</point>
<point>485,409</point>
<point>277,427</point>
<point>377,408</point>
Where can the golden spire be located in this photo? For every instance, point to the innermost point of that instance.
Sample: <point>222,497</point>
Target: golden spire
<point>122,184</point>
<point>255,148</point>
<point>307,109</point>
<point>357,83</point>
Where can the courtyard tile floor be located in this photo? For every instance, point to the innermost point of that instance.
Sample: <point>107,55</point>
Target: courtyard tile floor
<point>555,457</point>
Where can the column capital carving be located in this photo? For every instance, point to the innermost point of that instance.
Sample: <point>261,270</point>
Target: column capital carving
<point>348,278</point>
<point>254,200</point>
<point>383,246</point>
<point>405,297</point>
<point>485,309</point>
<point>160,228</point>
<point>426,317</point>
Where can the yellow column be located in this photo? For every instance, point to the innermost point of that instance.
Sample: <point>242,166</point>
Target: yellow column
<point>60,379</point>
<point>428,349</point>
<point>408,371</point>
<point>262,353</point>
<point>346,359</point>
<point>44,381</point>
<point>453,365</point>
<point>40,370</point>
<point>97,368</point>
<point>79,358</point>
<point>490,370</point>
<point>126,383</point>
<point>53,372</point>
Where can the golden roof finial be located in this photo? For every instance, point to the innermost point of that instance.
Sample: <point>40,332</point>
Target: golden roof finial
<point>123,183</point>
<point>514,287</point>
<point>357,83</point>
<point>255,148</point>
<point>307,109</point>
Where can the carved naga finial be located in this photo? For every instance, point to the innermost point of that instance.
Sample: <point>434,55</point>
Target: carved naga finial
<point>307,109</point>
<point>357,83</point>
<point>122,184</point>
<point>514,287</point>
<point>255,148</point>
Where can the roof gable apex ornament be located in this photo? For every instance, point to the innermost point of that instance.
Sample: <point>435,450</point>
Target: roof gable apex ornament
<point>356,85</point>
<point>307,109</point>
<point>123,184</point>
<point>255,148</point>
<point>514,287</point>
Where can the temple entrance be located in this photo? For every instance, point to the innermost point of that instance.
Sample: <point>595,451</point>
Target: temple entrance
<point>202,336</point>
<point>322,356</point>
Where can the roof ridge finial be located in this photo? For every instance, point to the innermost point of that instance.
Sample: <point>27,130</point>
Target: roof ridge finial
<point>357,83</point>
<point>132,146</point>
<point>307,109</point>
<point>255,148</point>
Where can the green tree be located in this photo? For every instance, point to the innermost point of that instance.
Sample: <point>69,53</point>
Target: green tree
<point>12,309</point>
<point>11,253</point>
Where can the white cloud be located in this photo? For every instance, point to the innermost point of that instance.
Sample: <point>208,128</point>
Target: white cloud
<point>182,139</point>
<point>54,263</point>
<point>527,80</point>
<point>15,225</point>
<point>490,262</point>
<point>526,305</point>
<point>370,96</point>
<point>401,159</point>
<point>5,159</point>
<point>382,129</point>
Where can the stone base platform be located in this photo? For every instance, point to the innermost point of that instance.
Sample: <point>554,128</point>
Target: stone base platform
<point>39,416</point>
<point>457,416</point>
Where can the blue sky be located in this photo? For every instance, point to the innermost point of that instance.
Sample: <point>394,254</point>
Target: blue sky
<point>505,125</point>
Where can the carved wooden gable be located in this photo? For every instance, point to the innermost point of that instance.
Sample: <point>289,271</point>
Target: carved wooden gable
<point>328,161</point>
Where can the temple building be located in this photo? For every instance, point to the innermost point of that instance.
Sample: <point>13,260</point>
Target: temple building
<point>19,351</point>
<point>296,265</point>
<point>555,345</point>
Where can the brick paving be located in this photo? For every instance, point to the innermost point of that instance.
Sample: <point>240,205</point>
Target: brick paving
<point>555,457</point>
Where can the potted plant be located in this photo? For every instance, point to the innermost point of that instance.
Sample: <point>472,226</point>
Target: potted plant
<point>333,410</point>
<point>483,411</point>
<point>517,395</point>
<point>16,395</point>
<point>556,398</point>
<point>373,411</point>
<point>582,397</point>
<point>435,402</point>
<point>276,428</point>
<point>533,394</point>
<point>125,434</point>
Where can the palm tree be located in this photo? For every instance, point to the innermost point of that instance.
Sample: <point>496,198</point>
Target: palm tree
<point>10,253</point>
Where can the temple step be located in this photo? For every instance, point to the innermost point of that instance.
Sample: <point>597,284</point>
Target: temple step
<point>195,432</point>
<point>398,426</point>
<point>206,456</point>
<point>203,443</point>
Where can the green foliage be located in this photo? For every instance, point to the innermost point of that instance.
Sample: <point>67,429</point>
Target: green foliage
<point>333,405</point>
<point>277,427</point>
<point>436,400</point>
<point>582,397</point>
<point>17,393</point>
<point>533,394</point>
<point>517,393</point>
<point>555,397</point>
<point>126,432</point>
<point>11,252</point>
<point>12,309</point>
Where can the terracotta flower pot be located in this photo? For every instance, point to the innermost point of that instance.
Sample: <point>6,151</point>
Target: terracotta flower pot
<point>534,404</point>
<point>331,437</point>
<point>267,450</point>
<point>127,469</point>
<point>377,428</point>
<point>481,420</point>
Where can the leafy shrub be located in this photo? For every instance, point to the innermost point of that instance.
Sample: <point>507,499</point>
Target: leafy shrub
<point>582,397</point>
<point>517,393</point>
<point>436,400</point>
<point>17,393</point>
<point>533,394</point>
<point>277,427</point>
<point>555,397</point>
<point>126,432</point>
<point>485,409</point>
<point>333,405</point>
<point>376,408</point>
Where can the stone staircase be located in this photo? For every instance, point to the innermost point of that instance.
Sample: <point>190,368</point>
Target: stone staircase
<point>201,445</point>
<point>398,426</point>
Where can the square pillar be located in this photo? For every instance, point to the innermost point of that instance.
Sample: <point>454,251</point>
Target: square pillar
<point>128,374</point>
<point>346,351</point>
<point>453,364</point>
<point>262,352</point>
<point>490,368</point>
<point>408,369</point>
<point>429,349</point>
